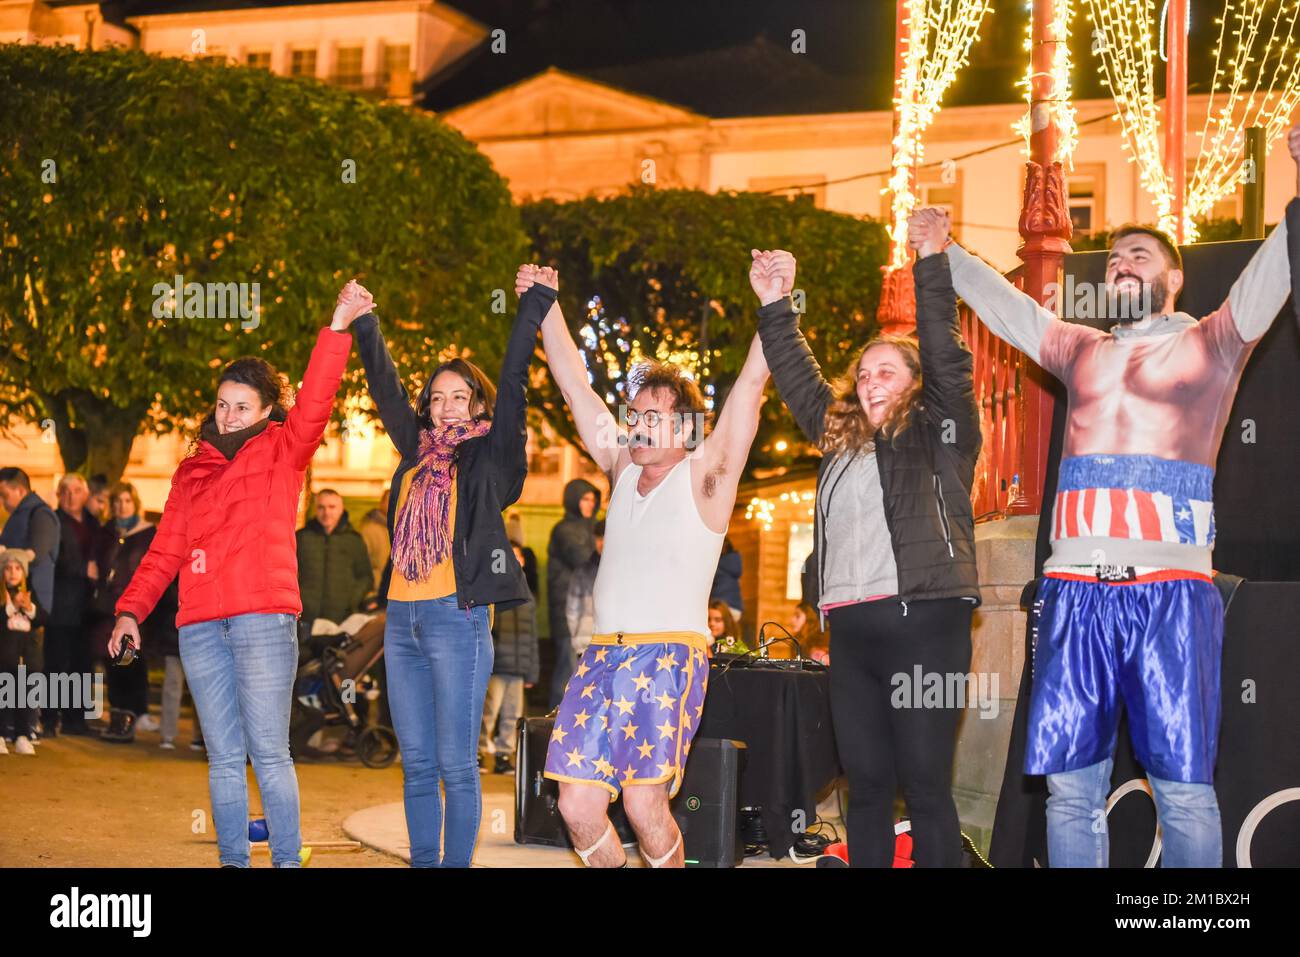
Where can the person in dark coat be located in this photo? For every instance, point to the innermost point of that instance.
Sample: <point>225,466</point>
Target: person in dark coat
<point>573,541</point>
<point>33,525</point>
<point>463,461</point>
<point>726,580</point>
<point>334,570</point>
<point>123,545</point>
<point>894,552</point>
<point>67,641</point>
<point>515,532</point>
<point>514,668</point>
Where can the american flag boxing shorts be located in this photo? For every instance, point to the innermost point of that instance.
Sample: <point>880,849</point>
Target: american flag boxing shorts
<point>1138,497</point>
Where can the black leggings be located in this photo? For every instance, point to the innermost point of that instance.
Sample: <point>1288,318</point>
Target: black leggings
<point>19,647</point>
<point>883,747</point>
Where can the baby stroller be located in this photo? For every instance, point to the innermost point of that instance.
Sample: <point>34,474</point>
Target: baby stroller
<point>334,689</point>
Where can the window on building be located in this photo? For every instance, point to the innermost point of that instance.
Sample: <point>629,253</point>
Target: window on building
<point>397,59</point>
<point>800,547</point>
<point>1085,188</point>
<point>546,461</point>
<point>302,62</point>
<point>259,59</point>
<point>347,67</point>
<point>939,187</point>
<point>809,187</point>
<point>940,195</point>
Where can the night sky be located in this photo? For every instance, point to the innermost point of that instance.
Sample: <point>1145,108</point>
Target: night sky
<point>732,57</point>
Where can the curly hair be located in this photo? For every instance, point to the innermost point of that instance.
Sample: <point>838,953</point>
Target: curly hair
<point>260,376</point>
<point>688,400</point>
<point>846,424</point>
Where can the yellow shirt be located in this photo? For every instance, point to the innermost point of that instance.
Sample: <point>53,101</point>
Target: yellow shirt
<point>442,580</point>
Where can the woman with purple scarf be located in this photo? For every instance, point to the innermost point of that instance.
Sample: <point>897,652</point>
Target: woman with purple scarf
<point>463,462</point>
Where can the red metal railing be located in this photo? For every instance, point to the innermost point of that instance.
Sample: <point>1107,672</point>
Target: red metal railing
<point>1016,418</point>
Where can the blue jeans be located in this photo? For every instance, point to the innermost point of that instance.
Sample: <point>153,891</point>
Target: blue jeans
<point>240,672</point>
<point>439,659</point>
<point>1191,833</point>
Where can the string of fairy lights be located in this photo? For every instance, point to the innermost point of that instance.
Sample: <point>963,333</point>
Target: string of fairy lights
<point>612,344</point>
<point>1220,162</point>
<point>1122,39</point>
<point>764,509</point>
<point>1127,53</point>
<point>940,34</point>
<point>1060,105</point>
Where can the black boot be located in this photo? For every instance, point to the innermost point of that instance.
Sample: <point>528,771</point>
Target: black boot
<point>121,727</point>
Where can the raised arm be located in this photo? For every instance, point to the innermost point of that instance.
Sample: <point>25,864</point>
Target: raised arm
<point>306,421</point>
<point>508,437</point>
<point>385,386</point>
<point>727,447</point>
<point>1261,290</point>
<point>1263,286</point>
<point>1011,315</point>
<point>794,368</point>
<point>595,423</point>
<point>946,364</point>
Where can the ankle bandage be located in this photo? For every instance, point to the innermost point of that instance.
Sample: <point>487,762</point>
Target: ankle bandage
<point>660,861</point>
<point>609,829</point>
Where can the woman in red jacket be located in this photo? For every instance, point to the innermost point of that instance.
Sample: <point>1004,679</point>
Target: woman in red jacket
<point>228,528</point>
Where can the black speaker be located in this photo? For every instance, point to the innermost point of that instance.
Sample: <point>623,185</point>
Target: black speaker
<point>707,806</point>
<point>537,798</point>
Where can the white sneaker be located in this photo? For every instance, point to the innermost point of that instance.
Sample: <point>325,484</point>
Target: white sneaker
<point>4,748</point>
<point>147,722</point>
<point>167,745</point>
<point>23,746</point>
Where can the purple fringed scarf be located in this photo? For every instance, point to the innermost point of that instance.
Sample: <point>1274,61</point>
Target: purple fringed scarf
<point>420,539</point>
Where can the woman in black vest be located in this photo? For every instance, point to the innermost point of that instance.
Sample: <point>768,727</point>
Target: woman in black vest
<point>893,564</point>
<point>463,462</point>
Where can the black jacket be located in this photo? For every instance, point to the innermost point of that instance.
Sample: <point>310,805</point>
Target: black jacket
<point>73,589</point>
<point>726,580</point>
<point>119,556</point>
<point>490,469</point>
<point>33,524</point>
<point>926,472</point>
<point>571,545</point>
<point>514,642</point>
<point>334,571</point>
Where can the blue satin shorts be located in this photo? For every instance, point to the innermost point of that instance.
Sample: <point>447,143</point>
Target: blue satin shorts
<point>1153,648</point>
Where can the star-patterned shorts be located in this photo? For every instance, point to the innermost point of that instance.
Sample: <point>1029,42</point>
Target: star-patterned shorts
<point>630,710</point>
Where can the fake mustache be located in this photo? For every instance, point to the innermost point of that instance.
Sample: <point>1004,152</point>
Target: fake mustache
<point>636,440</point>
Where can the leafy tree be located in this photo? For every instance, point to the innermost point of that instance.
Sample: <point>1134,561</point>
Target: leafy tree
<point>120,171</point>
<point>671,266</point>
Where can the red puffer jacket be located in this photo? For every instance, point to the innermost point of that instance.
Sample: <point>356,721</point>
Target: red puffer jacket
<point>228,526</point>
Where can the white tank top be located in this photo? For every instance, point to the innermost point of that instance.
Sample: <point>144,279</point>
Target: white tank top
<point>659,558</point>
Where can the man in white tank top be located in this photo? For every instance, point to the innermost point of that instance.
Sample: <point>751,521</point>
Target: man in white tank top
<point>635,700</point>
